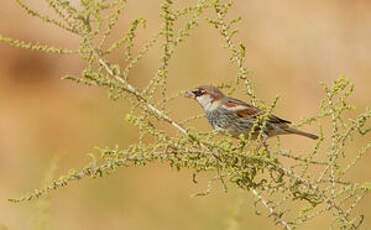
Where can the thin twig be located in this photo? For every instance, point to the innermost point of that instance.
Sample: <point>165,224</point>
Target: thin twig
<point>271,210</point>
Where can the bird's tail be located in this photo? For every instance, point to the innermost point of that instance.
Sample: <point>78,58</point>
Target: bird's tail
<point>302,133</point>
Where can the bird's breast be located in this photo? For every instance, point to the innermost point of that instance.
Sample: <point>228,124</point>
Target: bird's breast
<point>219,119</point>
<point>222,119</point>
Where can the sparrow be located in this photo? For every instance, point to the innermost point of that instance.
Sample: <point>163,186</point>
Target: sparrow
<point>236,117</point>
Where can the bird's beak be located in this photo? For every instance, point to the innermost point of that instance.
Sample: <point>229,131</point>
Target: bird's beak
<point>189,94</point>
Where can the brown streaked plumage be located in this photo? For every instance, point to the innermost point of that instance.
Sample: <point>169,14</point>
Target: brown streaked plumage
<point>238,117</point>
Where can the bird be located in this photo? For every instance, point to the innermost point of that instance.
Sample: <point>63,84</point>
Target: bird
<point>236,117</point>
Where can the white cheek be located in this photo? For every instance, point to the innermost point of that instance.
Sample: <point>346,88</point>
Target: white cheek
<point>205,101</point>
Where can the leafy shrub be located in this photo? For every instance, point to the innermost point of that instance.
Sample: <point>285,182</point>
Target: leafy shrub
<point>317,183</point>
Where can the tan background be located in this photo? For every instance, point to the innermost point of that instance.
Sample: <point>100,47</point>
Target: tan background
<point>292,46</point>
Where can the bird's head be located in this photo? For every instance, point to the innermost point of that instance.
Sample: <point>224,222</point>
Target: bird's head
<point>208,96</point>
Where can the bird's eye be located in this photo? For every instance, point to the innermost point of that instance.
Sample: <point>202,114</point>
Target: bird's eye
<point>198,92</point>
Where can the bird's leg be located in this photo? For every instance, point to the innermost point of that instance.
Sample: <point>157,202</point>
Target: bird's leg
<point>262,143</point>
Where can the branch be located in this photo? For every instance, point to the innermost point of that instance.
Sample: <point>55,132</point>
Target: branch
<point>133,91</point>
<point>271,210</point>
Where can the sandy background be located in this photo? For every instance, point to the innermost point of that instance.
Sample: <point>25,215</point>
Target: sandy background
<point>292,46</point>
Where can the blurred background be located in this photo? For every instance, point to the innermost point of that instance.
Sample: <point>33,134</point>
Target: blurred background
<point>292,46</point>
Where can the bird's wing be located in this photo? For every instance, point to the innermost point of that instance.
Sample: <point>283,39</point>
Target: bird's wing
<point>244,109</point>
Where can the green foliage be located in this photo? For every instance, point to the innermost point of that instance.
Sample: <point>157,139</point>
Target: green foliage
<point>318,184</point>
<point>35,46</point>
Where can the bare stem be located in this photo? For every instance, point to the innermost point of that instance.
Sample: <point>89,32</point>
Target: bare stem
<point>271,210</point>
